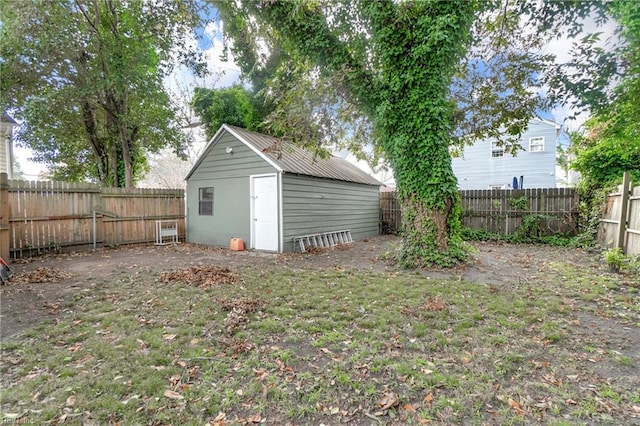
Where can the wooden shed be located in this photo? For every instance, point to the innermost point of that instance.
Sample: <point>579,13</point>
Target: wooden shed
<point>271,193</point>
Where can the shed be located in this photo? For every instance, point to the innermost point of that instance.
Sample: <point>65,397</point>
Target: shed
<point>268,192</point>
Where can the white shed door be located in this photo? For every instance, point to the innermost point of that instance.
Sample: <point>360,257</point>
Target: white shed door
<point>264,199</point>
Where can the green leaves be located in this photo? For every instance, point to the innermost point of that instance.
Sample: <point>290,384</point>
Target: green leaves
<point>234,105</point>
<point>87,79</point>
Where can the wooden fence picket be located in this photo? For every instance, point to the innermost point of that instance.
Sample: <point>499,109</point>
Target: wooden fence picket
<point>620,225</point>
<point>54,215</point>
<point>502,211</point>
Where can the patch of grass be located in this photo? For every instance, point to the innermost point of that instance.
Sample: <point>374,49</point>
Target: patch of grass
<point>322,346</point>
<point>625,361</point>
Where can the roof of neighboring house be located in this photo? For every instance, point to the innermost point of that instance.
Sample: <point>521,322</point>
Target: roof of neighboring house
<point>549,122</point>
<point>7,119</point>
<point>290,158</point>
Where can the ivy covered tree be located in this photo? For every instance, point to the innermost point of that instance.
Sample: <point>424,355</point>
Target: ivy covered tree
<point>408,79</point>
<point>86,78</point>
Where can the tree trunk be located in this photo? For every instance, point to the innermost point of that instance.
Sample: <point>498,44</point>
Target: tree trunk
<point>126,156</point>
<point>97,145</point>
<point>419,219</point>
<point>430,201</point>
<point>419,50</point>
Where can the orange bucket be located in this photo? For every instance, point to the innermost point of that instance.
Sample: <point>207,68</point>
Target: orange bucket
<point>237,244</point>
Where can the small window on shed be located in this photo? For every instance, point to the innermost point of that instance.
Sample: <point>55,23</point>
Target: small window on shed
<point>536,144</point>
<point>496,151</point>
<point>205,202</point>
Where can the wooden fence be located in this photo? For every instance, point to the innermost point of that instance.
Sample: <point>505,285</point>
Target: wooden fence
<point>620,225</point>
<point>42,216</point>
<point>503,211</point>
<point>390,213</point>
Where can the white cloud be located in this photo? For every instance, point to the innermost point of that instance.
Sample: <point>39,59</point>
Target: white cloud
<point>562,47</point>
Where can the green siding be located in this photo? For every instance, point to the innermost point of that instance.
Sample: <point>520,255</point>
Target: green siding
<point>314,205</point>
<point>229,175</point>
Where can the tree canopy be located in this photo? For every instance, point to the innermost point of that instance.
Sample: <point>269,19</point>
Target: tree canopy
<point>611,143</point>
<point>86,78</point>
<point>232,105</point>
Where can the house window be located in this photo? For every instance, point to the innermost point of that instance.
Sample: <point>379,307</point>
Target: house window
<point>536,144</point>
<point>496,151</point>
<point>205,202</point>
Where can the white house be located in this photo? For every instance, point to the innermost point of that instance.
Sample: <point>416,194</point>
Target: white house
<point>485,165</point>
<point>6,147</point>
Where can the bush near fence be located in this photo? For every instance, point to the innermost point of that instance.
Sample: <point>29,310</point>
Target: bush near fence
<point>45,216</point>
<point>503,211</point>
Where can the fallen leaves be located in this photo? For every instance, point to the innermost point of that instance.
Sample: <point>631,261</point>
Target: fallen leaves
<point>201,276</point>
<point>238,310</point>
<point>515,405</point>
<point>388,400</point>
<point>42,274</point>
<point>410,408</point>
<point>435,304</point>
<point>432,304</point>
<point>235,344</point>
<point>428,398</point>
<point>221,417</point>
<point>168,393</point>
<point>345,346</point>
<point>82,361</point>
<point>551,379</point>
<point>52,307</point>
<point>247,304</point>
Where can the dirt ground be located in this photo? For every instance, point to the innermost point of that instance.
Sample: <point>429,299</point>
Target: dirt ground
<point>25,305</point>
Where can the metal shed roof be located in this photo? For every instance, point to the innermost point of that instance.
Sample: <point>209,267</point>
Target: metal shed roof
<point>290,158</point>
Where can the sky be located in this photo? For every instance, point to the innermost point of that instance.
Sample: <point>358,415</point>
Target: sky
<point>208,40</point>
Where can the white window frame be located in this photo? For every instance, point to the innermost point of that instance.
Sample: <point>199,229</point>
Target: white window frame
<point>537,142</point>
<point>496,150</point>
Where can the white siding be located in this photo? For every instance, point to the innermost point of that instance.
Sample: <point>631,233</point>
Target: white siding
<point>5,158</point>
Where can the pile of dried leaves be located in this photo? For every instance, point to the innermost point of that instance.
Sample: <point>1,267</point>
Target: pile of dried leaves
<point>238,310</point>
<point>40,275</point>
<point>201,276</point>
